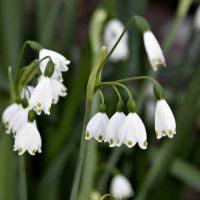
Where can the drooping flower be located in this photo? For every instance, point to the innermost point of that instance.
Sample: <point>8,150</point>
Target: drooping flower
<point>96,127</point>
<point>154,51</point>
<point>58,89</point>
<point>42,96</point>
<point>165,123</point>
<point>9,113</point>
<point>112,32</point>
<point>113,128</point>
<point>18,120</point>
<point>133,131</point>
<point>121,187</point>
<point>60,62</point>
<point>28,139</point>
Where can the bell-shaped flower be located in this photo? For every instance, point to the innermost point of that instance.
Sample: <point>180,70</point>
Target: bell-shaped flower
<point>113,128</point>
<point>28,139</point>
<point>18,120</point>
<point>9,113</point>
<point>165,123</point>
<point>58,89</point>
<point>60,61</point>
<point>42,96</point>
<point>154,51</point>
<point>96,127</point>
<point>133,131</point>
<point>111,34</point>
<point>121,187</point>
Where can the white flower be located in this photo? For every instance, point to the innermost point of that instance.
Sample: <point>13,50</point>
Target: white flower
<point>28,139</point>
<point>112,32</point>
<point>154,51</point>
<point>9,113</point>
<point>60,62</point>
<point>197,19</point>
<point>58,89</point>
<point>113,128</point>
<point>42,96</point>
<point>133,131</point>
<point>96,127</point>
<point>26,92</point>
<point>18,120</point>
<point>165,123</point>
<point>121,187</point>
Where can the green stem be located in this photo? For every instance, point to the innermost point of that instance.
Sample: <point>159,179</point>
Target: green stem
<point>107,195</point>
<point>105,84</point>
<point>138,78</point>
<point>81,155</point>
<point>22,179</point>
<point>102,97</point>
<point>118,93</point>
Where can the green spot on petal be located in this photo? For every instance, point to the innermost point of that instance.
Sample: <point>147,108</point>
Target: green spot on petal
<point>170,132</point>
<point>111,141</point>
<point>157,134</point>
<point>100,138</point>
<point>39,105</point>
<point>163,132</point>
<point>87,134</point>
<point>20,150</point>
<point>33,151</point>
<point>130,143</point>
<point>145,143</point>
<point>49,109</point>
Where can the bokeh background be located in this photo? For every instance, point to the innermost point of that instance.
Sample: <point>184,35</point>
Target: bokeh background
<point>169,168</point>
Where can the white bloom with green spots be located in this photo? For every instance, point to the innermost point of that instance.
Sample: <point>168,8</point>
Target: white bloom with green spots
<point>165,123</point>
<point>18,120</point>
<point>58,89</point>
<point>42,96</point>
<point>133,131</point>
<point>96,127</point>
<point>111,34</point>
<point>113,128</point>
<point>8,115</point>
<point>28,139</point>
<point>154,51</point>
<point>61,63</point>
<point>121,187</point>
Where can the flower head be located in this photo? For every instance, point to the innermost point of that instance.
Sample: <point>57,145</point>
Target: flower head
<point>121,187</point>
<point>113,128</point>
<point>154,51</point>
<point>96,127</point>
<point>42,96</point>
<point>165,123</point>
<point>9,113</point>
<point>18,120</point>
<point>133,131</point>
<point>60,62</point>
<point>28,139</point>
<point>111,34</point>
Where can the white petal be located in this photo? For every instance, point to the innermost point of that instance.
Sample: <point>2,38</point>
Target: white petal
<point>60,61</point>
<point>164,119</point>
<point>28,139</point>
<point>112,32</point>
<point>113,128</point>
<point>41,98</point>
<point>121,187</point>
<point>9,113</point>
<point>96,127</point>
<point>154,51</point>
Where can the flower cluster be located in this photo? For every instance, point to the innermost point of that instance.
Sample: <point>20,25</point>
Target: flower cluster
<point>19,117</point>
<point>130,130</point>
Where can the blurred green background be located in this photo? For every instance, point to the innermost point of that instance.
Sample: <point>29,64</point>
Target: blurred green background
<point>169,168</point>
